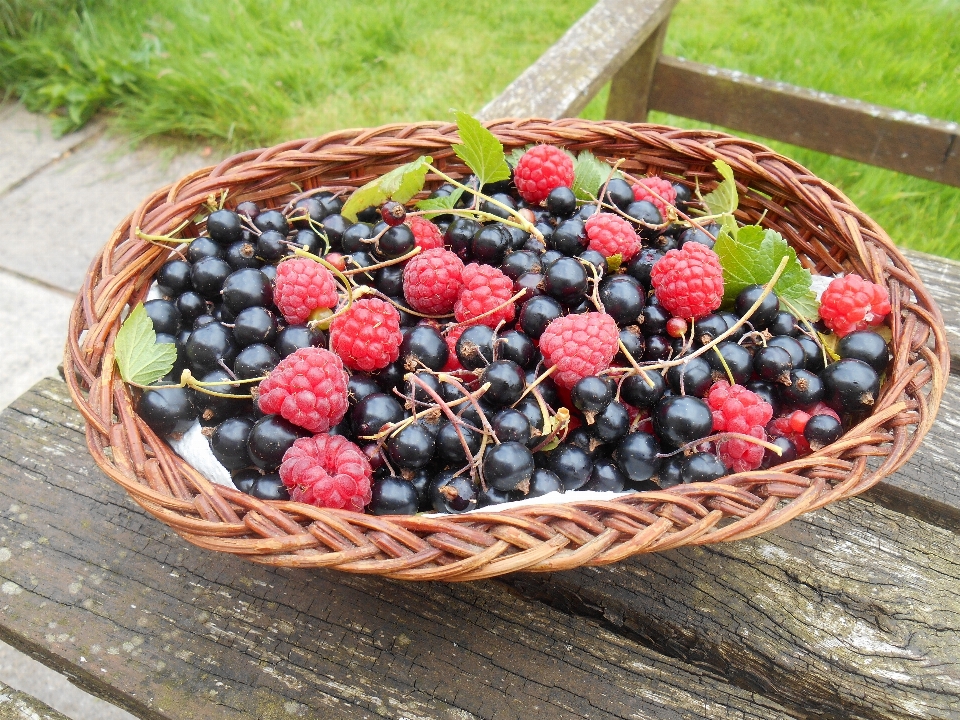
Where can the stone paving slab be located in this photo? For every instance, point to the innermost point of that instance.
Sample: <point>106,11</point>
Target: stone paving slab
<point>27,145</point>
<point>64,214</point>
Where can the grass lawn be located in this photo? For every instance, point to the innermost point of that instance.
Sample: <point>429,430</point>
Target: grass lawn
<point>247,73</point>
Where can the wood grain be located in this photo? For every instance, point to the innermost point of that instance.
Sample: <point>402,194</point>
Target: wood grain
<point>894,139</point>
<point>567,76</point>
<point>97,589</point>
<point>16,705</point>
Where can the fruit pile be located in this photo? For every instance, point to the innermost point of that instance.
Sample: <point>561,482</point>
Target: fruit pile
<point>546,324</point>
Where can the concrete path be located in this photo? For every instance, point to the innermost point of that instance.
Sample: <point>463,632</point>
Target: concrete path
<point>60,199</point>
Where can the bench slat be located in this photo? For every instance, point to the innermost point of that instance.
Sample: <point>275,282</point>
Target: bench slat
<point>567,76</point>
<point>168,630</point>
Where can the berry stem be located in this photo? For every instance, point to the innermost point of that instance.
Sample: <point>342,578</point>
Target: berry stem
<point>682,215</point>
<point>549,371</point>
<point>725,366</point>
<point>636,366</point>
<point>443,377</point>
<point>386,263</point>
<point>814,335</point>
<point>155,239</point>
<point>445,407</point>
<point>524,224</point>
<point>720,437</point>
<point>562,421</point>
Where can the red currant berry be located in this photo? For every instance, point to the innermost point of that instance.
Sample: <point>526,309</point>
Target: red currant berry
<point>337,260</point>
<point>676,327</point>
<point>798,421</point>
<point>393,213</point>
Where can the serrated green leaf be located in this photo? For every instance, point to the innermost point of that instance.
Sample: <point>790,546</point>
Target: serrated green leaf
<point>517,153</point>
<point>440,204</point>
<point>724,197</point>
<point>589,175</point>
<point>399,184</point>
<point>140,358</point>
<point>752,257</point>
<point>480,150</point>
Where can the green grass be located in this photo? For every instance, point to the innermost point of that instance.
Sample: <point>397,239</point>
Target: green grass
<point>903,54</point>
<point>244,73</point>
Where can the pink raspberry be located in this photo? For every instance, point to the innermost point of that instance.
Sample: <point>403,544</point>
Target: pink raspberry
<point>303,286</point>
<point>649,187</point>
<point>426,234</point>
<point>688,281</point>
<point>851,303</point>
<point>367,336</point>
<point>579,346</point>
<point>308,388</point>
<point>327,471</point>
<point>432,281</point>
<point>736,409</point>
<point>612,235</point>
<point>540,170</point>
<point>484,288</point>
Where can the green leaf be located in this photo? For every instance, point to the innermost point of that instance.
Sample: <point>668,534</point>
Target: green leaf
<point>589,175</point>
<point>447,202</point>
<point>480,150</point>
<point>517,153</point>
<point>724,198</point>
<point>140,358</point>
<point>753,256</point>
<point>614,262</point>
<point>399,184</point>
<point>829,341</point>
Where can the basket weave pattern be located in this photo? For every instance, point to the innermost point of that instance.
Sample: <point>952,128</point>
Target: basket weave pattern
<point>829,233</point>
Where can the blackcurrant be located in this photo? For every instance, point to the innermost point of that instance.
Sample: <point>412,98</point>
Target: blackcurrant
<point>619,193</point>
<point>209,345</point>
<point>763,315</point>
<point>269,487</point>
<point>784,324</point>
<point>788,452</point>
<point>537,313</point>
<point>622,298</point>
<point>246,288</point>
<point>694,377</point>
<point>459,235</point>
<point>797,356</point>
<point>254,325</point>
<point>635,344</point>
<point>867,346</point>
<point>821,430</point>
<point>208,276</point>
<point>412,447</point>
<point>395,242</point>
<point>605,477</point>
<point>514,345</point>
<point>334,226</point>
<point>204,247</point>
<point>519,262</point>
<point>709,327</point>
<point>543,481</point>
<point>804,391</point>
<point>393,495</point>
<point>229,442</point>
<point>773,364</point>
<point>591,395</point>
<point>508,466</point>
<point>353,237</point>
<point>493,496</point>
<point>165,316</point>
<point>449,446</point>
<point>370,415</point>
<point>424,346</point>
<point>642,264</point>
<point>294,337</point>
<point>561,202</point>
<point>389,280</point>
<point>851,386</point>
<point>611,423</point>
<point>173,278</point>
<point>733,357</point>
<point>653,320</point>
<point>767,392</point>
<point>570,237</point>
<point>643,390</point>
<point>495,209</point>
<point>702,467</point>
<point>695,235</point>
<point>511,425</point>
<point>566,281</point>
<point>637,456</point>
<point>269,439</point>
<point>812,354</point>
<point>191,306</point>
<point>679,420</point>
<point>507,382</point>
<point>168,411</point>
<point>474,347</point>
<point>224,227</point>
<point>658,348</point>
<point>272,220</point>
<point>360,386</point>
<point>449,494</point>
<point>254,361</point>
<point>571,464</point>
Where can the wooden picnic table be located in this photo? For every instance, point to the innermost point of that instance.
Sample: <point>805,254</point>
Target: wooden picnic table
<point>851,611</point>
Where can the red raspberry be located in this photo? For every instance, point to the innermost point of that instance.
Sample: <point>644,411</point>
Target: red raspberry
<point>579,345</point>
<point>851,303</point>
<point>540,170</point>
<point>645,189</point>
<point>303,286</point>
<point>367,336</point>
<point>327,471</point>
<point>308,388</point>
<point>484,288</point>
<point>612,235</point>
<point>787,426</point>
<point>432,281</point>
<point>688,281</point>
<point>427,235</point>
<point>736,409</point>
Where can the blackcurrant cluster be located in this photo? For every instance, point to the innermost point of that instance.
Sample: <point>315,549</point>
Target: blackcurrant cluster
<point>496,430</point>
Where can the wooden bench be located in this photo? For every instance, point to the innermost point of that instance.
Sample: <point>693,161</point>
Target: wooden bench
<point>848,612</point>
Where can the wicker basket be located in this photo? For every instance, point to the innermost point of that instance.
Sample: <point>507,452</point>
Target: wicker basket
<point>829,233</point>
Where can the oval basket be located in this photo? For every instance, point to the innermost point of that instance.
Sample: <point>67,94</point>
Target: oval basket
<point>829,233</point>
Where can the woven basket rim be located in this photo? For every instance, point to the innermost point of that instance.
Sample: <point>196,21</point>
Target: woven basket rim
<point>534,537</point>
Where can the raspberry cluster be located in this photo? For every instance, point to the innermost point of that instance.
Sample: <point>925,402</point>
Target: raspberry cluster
<point>539,341</point>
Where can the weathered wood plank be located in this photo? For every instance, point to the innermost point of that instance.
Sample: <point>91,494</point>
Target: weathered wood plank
<point>97,589</point>
<point>16,705</point>
<point>567,76</point>
<point>630,87</point>
<point>906,142</point>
